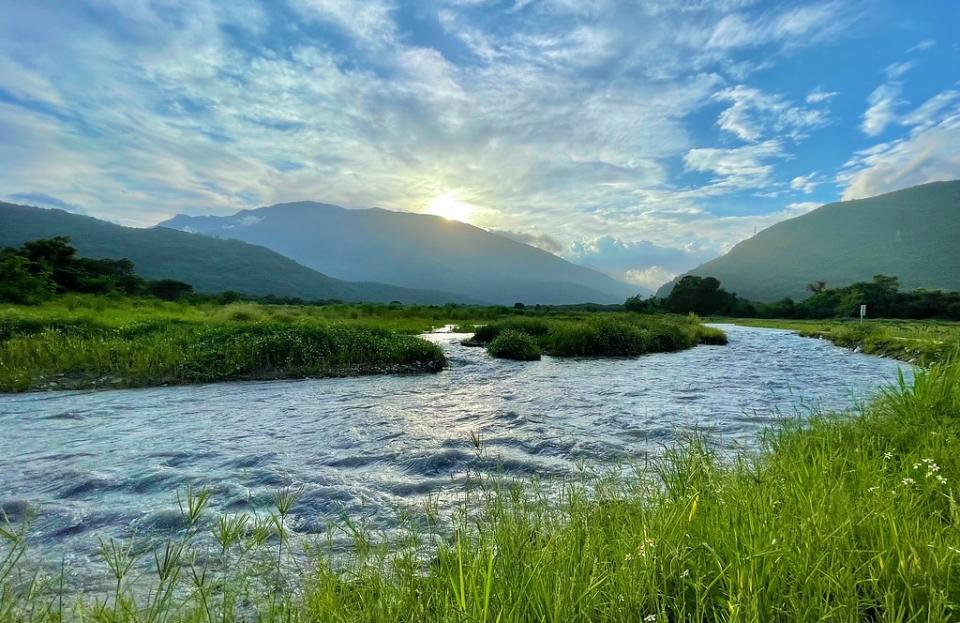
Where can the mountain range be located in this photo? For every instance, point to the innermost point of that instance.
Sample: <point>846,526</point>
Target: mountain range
<point>411,250</point>
<point>209,264</point>
<point>913,234</point>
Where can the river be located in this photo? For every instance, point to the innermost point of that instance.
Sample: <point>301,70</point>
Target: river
<point>109,463</point>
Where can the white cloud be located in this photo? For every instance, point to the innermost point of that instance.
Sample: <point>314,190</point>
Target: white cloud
<point>650,278</point>
<point>884,101</point>
<point>930,153</point>
<point>925,44</point>
<point>818,96</point>
<point>805,183</point>
<point>882,110</point>
<point>755,114</point>
<point>738,167</point>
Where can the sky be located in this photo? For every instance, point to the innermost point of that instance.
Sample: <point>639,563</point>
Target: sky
<point>639,137</point>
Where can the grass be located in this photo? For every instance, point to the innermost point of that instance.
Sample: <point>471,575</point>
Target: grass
<point>511,344</point>
<point>83,342</point>
<point>76,341</point>
<point>916,341</point>
<point>836,519</point>
<point>605,335</point>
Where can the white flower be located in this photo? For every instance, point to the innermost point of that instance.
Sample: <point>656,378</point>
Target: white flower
<point>650,617</point>
<point>887,456</point>
<point>908,481</point>
<point>872,489</point>
<point>685,574</point>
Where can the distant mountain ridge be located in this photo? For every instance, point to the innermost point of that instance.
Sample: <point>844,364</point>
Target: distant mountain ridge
<point>412,250</point>
<point>913,234</point>
<point>209,264</point>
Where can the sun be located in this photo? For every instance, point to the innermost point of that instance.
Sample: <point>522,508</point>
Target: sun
<point>448,207</point>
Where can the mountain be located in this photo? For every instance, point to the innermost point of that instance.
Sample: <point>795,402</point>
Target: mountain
<point>209,264</point>
<point>913,234</point>
<point>413,250</point>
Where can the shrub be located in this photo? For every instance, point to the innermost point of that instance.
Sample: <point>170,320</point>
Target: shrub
<point>511,344</point>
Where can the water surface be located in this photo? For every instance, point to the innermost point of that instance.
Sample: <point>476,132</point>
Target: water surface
<point>110,462</point>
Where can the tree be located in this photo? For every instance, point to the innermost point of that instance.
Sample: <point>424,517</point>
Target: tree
<point>169,289</point>
<point>817,286</point>
<point>20,282</point>
<point>700,295</point>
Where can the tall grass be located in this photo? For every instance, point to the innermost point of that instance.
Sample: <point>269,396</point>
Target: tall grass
<point>82,352</point>
<point>851,517</point>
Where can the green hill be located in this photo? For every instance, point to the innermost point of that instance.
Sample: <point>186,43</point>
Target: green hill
<point>913,234</point>
<point>209,264</point>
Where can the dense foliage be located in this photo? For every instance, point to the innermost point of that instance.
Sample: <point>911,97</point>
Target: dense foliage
<point>882,296</point>
<point>41,268</point>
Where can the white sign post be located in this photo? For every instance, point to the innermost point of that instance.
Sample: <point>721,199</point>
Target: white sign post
<point>863,312</point>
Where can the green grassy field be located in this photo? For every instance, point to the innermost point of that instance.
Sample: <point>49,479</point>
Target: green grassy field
<point>917,341</point>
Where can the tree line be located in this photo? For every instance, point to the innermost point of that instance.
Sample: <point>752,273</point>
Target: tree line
<point>41,269</point>
<point>882,296</point>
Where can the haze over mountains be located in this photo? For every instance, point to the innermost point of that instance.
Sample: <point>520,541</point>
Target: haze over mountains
<point>208,264</point>
<point>412,250</point>
<point>913,234</point>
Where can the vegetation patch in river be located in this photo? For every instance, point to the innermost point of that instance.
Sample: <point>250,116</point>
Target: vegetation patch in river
<point>512,344</point>
<point>81,354</point>
<point>606,335</point>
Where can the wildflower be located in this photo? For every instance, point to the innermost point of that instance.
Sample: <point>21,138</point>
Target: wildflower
<point>916,466</point>
<point>908,481</point>
<point>887,456</point>
<point>941,479</point>
<point>872,489</point>
<point>685,574</point>
<point>650,617</point>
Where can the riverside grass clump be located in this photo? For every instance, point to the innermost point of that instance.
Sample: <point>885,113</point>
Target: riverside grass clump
<point>511,344</point>
<point>116,348</point>
<point>848,518</point>
<point>607,335</point>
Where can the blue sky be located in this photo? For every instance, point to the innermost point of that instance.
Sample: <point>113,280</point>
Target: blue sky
<point>641,137</point>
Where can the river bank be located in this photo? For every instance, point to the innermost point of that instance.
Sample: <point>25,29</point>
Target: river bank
<point>914,341</point>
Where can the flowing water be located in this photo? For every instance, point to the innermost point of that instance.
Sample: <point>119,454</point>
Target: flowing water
<point>109,463</point>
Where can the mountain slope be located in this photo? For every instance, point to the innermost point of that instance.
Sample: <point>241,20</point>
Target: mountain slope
<point>209,264</point>
<point>913,234</point>
<point>413,250</point>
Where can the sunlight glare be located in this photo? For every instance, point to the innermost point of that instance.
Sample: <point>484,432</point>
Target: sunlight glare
<point>448,207</point>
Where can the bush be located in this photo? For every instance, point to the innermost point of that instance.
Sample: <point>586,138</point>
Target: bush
<point>511,344</point>
<point>530,326</point>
